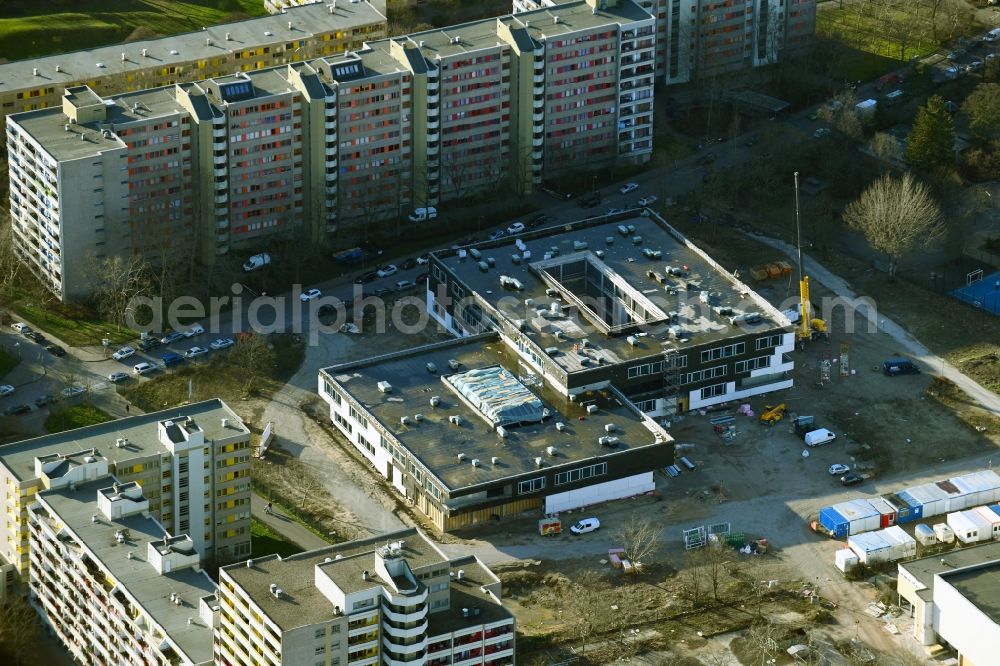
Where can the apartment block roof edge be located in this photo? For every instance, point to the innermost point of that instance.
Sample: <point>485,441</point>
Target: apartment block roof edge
<point>332,370</point>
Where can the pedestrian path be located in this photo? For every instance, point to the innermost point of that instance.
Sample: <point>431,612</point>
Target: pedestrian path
<point>285,525</point>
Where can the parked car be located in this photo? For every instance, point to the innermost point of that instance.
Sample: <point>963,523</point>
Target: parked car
<point>43,400</point>
<point>614,211</point>
<point>423,260</point>
<point>222,343</point>
<point>149,343</point>
<point>195,352</point>
<point>516,228</point>
<point>20,326</point>
<point>647,201</point>
<point>116,377</point>
<point>819,437</point>
<point>379,292</point>
<point>821,132</point>
<point>71,391</point>
<point>27,331</point>
<point>171,337</point>
<point>256,261</point>
<point>839,469</point>
<point>403,285</point>
<point>423,214</point>
<point>899,366</point>
<point>498,234</point>
<point>197,329</point>
<point>35,336</point>
<point>586,525</point>
<point>538,220</point>
<point>366,277</point>
<point>407,264</point>
<point>123,353</point>
<point>171,359</point>
<point>5,390</point>
<point>310,294</point>
<point>386,271</point>
<point>55,350</point>
<point>851,479</point>
<point>17,409</point>
<point>143,368</point>
<point>628,187</point>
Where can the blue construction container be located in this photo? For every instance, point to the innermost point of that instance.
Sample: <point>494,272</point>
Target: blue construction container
<point>916,511</point>
<point>833,521</point>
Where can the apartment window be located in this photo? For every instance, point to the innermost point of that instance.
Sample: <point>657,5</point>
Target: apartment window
<point>321,632</point>
<point>357,416</point>
<point>581,474</point>
<point>723,352</point>
<point>753,364</point>
<point>364,603</point>
<point>342,422</point>
<point>646,405</point>
<point>321,649</point>
<point>713,391</point>
<point>531,485</point>
<point>768,342</point>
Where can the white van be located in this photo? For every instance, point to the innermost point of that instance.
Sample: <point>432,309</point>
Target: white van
<point>423,214</point>
<point>993,35</point>
<point>257,261</point>
<point>586,525</point>
<point>819,437</point>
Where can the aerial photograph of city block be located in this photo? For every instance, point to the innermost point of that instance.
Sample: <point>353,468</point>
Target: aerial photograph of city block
<point>496,332</point>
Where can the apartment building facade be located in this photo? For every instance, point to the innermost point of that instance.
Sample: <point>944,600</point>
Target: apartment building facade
<point>704,38</point>
<point>112,584</point>
<point>323,150</point>
<point>299,33</point>
<point>193,464</point>
<point>387,600</point>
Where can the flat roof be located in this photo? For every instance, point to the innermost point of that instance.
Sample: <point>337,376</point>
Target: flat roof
<point>141,432</point>
<point>436,442</point>
<point>925,568</point>
<point>467,593</point>
<point>699,323</point>
<point>980,586</point>
<point>148,588</point>
<point>302,604</point>
<point>47,127</point>
<point>307,22</point>
<point>570,17</point>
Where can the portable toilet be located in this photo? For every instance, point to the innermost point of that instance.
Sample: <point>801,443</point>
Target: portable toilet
<point>925,535</point>
<point>944,533</point>
<point>846,559</point>
<point>993,519</point>
<point>887,513</point>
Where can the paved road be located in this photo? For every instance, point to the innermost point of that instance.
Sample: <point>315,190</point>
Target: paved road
<point>983,397</point>
<point>285,525</point>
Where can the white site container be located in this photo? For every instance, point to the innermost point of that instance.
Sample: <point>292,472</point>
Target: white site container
<point>984,482</point>
<point>846,559</point>
<point>969,527</point>
<point>993,519</point>
<point>903,545</point>
<point>944,533</point>
<point>930,497</point>
<point>925,535</point>
<point>957,500</point>
<point>860,514</point>
<point>870,547</point>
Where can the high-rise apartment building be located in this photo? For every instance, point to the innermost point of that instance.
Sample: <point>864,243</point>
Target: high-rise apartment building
<point>387,600</point>
<point>193,463</point>
<point>698,38</point>
<point>112,584</point>
<point>326,147</point>
<point>300,33</point>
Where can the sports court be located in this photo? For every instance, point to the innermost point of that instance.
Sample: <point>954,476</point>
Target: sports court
<point>981,291</point>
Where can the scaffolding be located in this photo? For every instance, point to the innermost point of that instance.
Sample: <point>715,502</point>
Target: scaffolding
<point>825,364</point>
<point>845,368</point>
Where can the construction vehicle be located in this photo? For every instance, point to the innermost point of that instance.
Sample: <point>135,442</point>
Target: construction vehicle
<point>808,327</point>
<point>772,414</point>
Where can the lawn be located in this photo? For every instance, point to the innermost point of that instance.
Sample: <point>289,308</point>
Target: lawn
<point>864,32</point>
<point>76,416</point>
<point>36,29</point>
<point>265,541</point>
<point>7,362</point>
<point>220,377</point>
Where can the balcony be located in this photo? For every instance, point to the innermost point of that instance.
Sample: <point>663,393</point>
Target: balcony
<point>404,653</point>
<point>219,172</point>
<point>330,112</point>
<point>330,124</point>
<point>219,159</point>
<point>393,633</point>
<point>433,98</point>
<point>221,198</point>
<point>433,150</point>
<point>538,78</point>
<point>537,117</point>
<point>219,132</point>
<point>538,103</point>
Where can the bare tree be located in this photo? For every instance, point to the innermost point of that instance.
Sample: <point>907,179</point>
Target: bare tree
<point>715,560</point>
<point>255,359</point>
<point>19,631</point>
<point>692,580</point>
<point>885,146</point>
<point>762,639</point>
<point>120,281</point>
<point>10,265</point>
<point>639,538</point>
<point>586,608</point>
<point>896,216</point>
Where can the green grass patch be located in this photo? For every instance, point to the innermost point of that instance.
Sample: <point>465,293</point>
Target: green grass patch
<point>77,416</point>
<point>76,325</point>
<point>220,377</point>
<point>265,541</point>
<point>31,29</point>
<point>7,362</point>
<point>866,33</point>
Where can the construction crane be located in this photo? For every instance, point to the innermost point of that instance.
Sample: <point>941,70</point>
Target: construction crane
<point>807,327</point>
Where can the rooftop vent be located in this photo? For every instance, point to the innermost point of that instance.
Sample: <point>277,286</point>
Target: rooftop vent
<point>461,457</point>
<point>591,409</point>
<point>130,555</point>
<point>208,41</point>
<point>327,559</point>
<point>145,53</point>
<point>364,575</point>
<point>278,592</point>
<point>124,57</point>
<point>610,427</point>
<point>455,419</point>
<point>404,420</point>
<point>93,518</point>
<point>268,33</point>
<point>101,65</point>
<point>289,25</point>
<point>384,387</point>
<point>502,432</point>
<point>538,462</point>
<point>332,7</point>
<point>418,418</point>
<point>460,576</point>
<point>435,400</point>
<point>494,460</point>
<point>229,36</point>
<point>174,52</point>
<point>475,462</point>
<point>249,564</point>
<point>225,423</point>
<point>34,71</point>
<point>551,450</point>
<point>561,427</point>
